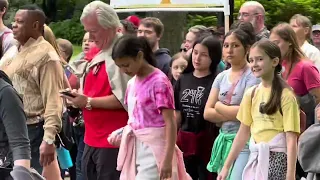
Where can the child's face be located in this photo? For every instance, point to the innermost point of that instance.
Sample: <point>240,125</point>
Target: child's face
<point>87,43</point>
<point>233,50</point>
<point>261,64</point>
<point>129,65</point>
<point>178,66</point>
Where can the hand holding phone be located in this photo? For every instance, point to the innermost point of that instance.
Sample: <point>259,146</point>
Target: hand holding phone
<point>67,93</point>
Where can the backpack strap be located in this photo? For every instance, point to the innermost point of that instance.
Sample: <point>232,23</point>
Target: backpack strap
<point>253,92</point>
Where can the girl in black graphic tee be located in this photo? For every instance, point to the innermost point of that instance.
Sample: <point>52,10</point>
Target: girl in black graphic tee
<point>196,136</point>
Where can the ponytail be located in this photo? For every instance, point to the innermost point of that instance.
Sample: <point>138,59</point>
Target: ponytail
<point>274,102</point>
<point>147,52</point>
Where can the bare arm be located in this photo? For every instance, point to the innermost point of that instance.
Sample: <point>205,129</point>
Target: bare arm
<point>178,118</point>
<point>316,93</point>
<point>210,113</point>
<point>292,147</point>
<point>106,102</point>
<point>238,144</point>
<point>230,112</point>
<point>171,133</point>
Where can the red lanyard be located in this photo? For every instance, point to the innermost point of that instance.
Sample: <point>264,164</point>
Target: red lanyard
<point>234,85</point>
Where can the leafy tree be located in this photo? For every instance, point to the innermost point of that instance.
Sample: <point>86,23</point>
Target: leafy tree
<point>201,20</point>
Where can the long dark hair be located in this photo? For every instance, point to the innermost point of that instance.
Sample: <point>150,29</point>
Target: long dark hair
<point>247,28</point>
<point>214,49</point>
<point>278,84</point>
<point>130,46</point>
<point>243,34</point>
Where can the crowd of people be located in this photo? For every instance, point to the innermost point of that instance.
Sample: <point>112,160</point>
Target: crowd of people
<point>227,106</point>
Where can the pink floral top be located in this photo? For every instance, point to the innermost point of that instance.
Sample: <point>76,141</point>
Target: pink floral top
<point>146,98</point>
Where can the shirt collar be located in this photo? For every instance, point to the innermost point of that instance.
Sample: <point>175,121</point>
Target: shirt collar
<point>30,42</point>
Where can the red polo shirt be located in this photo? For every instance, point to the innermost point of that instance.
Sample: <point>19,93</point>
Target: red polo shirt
<point>100,123</point>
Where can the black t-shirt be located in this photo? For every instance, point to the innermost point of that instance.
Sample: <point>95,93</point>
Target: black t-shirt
<point>191,95</point>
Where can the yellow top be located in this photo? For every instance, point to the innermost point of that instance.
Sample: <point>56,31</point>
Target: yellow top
<point>265,127</point>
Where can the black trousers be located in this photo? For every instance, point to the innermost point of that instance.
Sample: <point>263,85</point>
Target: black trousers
<point>100,163</point>
<point>197,169</point>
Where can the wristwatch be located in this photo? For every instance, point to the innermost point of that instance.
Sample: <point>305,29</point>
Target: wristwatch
<point>49,141</point>
<point>88,105</point>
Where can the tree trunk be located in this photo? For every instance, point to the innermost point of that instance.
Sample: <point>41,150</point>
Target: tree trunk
<point>174,23</point>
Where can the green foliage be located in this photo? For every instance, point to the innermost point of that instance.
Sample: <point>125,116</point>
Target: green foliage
<point>76,50</point>
<point>207,21</point>
<point>282,10</point>
<point>70,29</point>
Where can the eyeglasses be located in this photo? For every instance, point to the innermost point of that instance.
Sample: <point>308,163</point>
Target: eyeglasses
<point>183,49</point>
<point>316,33</point>
<point>245,15</point>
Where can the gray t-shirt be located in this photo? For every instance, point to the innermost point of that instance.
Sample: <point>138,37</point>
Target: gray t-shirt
<point>224,85</point>
<point>7,39</point>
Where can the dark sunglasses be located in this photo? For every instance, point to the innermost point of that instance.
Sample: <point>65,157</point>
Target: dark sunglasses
<point>183,49</point>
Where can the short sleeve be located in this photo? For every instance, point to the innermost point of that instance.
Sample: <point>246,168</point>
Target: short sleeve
<point>163,94</point>
<point>290,111</point>
<point>176,93</point>
<point>244,113</point>
<point>310,76</point>
<point>8,42</point>
<point>217,81</point>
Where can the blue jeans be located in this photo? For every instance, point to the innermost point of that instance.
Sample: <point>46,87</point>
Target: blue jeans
<point>79,158</point>
<point>36,132</point>
<point>239,164</point>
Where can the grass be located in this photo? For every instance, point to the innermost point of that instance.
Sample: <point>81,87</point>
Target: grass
<point>76,50</point>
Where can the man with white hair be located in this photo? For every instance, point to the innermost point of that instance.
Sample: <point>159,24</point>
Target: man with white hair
<point>253,12</point>
<point>103,94</point>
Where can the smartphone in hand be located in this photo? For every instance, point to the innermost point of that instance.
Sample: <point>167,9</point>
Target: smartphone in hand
<point>67,93</point>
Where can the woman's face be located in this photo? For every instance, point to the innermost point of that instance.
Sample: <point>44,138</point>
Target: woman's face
<point>233,51</point>
<point>200,58</point>
<point>178,67</point>
<point>283,45</point>
<point>87,43</point>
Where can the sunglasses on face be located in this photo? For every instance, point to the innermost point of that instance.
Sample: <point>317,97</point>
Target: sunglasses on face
<point>183,49</point>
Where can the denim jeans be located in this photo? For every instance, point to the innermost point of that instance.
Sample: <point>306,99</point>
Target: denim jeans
<point>239,164</point>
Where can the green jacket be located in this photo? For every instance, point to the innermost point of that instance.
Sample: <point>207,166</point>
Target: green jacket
<point>220,151</point>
